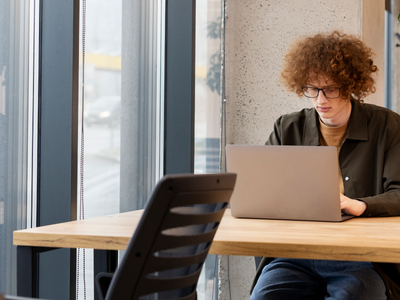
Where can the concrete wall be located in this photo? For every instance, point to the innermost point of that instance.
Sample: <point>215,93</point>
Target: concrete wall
<point>257,35</point>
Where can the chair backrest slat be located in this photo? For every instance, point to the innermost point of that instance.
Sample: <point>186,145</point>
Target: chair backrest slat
<point>174,219</point>
<point>162,263</point>
<point>154,285</point>
<point>170,242</point>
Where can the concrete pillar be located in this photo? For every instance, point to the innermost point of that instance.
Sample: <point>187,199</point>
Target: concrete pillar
<point>258,33</point>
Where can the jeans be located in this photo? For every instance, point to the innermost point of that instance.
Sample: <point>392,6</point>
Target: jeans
<point>292,279</point>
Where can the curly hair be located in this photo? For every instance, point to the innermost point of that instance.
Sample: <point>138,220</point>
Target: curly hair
<point>343,58</point>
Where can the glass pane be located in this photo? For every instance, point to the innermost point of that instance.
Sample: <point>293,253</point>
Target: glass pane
<point>121,110</point>
<point>14,20</point>
<point>102,107</point>
<point>121,96</point>
<point>208,86</point>
<point>207,114</point>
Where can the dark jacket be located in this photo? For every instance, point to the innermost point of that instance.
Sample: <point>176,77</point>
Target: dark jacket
<point>369,160</point>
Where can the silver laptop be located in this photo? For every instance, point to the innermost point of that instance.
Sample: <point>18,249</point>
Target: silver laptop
<point>285,182</point>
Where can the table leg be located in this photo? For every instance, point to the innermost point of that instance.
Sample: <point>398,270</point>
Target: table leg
<point>26,271</point>
<point>104,261</point>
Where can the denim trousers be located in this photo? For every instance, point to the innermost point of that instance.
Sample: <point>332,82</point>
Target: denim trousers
<point>292,279</point>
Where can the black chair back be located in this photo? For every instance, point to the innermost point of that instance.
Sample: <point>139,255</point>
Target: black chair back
<point>166,253</point>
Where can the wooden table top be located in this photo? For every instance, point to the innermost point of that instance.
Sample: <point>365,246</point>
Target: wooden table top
<point>359,239</point>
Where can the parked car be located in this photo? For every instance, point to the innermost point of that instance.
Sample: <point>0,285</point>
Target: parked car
<point>104,110</point>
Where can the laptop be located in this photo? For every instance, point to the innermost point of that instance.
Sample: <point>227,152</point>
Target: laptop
<point>285,182</point>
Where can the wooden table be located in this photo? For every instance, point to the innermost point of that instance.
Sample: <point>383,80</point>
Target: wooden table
<point>359,239</point>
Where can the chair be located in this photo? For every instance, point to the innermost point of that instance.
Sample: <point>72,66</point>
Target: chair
<point>164,257</point>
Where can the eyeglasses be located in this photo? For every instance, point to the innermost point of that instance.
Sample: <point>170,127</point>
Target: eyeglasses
<point>330,92</point>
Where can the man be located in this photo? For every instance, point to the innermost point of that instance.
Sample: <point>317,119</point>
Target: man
<point>335,71</point>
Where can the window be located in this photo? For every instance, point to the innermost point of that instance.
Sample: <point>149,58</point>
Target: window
<point>123,112</point>
<point>14,39</point>
<point>122,108</point>
<point>207,114</point>
<point>122,101</point>
<point>208,86</point>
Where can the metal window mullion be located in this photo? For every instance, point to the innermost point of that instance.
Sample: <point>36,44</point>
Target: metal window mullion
<point>57,137</point>
<point>179,87</point>
<point>160,89</point>
<point>388,59</point>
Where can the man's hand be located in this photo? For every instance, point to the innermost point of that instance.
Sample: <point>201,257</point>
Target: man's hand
<point>351,206</point>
